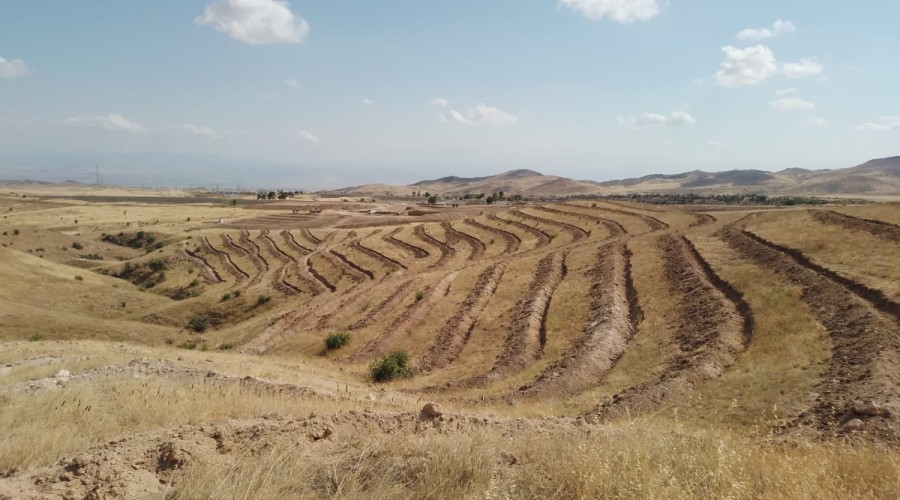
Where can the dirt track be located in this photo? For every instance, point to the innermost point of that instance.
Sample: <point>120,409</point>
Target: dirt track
<point>865,364</point>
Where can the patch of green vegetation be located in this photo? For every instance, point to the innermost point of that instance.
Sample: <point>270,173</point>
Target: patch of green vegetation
<point>337,340</point>
<point>391,366</point>
<point>199,323</point>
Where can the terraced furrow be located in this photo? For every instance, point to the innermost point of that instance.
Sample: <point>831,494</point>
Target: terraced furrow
<point>453,235</point>
<point>412,250</point>
<point>447,252</point>
<point>353,268</point>
<point>877,228</point>
<point>576,232</point>
<point>234,247</point>
<point>702,219</point>
<point>612,322</point>
<point>292,242</point>
<point>227,263</point>
<point>392,264</point>
<point>614,228</point>
<point>279,279</point>
<point>653,223</point>
<point>875,297</point>
<point>408,319</point>
<point>513,242</point>
<point>318,276</point>
<point>455,333</point>
<point>714,325</point>
<point>253,252</point>
<point>209,272</point>
<point>372,314</point>
<point>865,363</point>
<point>306,233</point>
<point>527,332</point>
<point>543,239</point>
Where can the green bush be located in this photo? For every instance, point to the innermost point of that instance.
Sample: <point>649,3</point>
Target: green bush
<point>420,295</point>
<point>391,366</point>
<point>16,232</point>
<point>77,246</point>
<point>36,337</point>
<point>337,340</point>
<point>198,323</point>
<point>225,297</point>
<point>263,300</point>
<point>226,346</point>
<point>189,345</point>
<point>157,265</point>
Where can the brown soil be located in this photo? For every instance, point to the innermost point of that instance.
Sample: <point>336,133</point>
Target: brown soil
<point>702,219</point>
<point>391,300</point>
<point>255,253</point>
<point>454,236</point>
<point>388,262</point>
<point>653,223</point>
<point>319,277</point>
<point>865,364</point>
<point>576,232</point>
<point>455,333</point>
<point>615,229</point>
<point>227,263</point>
<point>878,228</point>
<point>513,242</point>
<point>414,251</point>
<point>352,268</point>
<point>712,329</point>
<point>612,322</point>
<point>279,279</point>
<point>292,243</point>
<point>447,252</point>
<point>209,272</point>
<point>310,236</point>
<point>543,238</point>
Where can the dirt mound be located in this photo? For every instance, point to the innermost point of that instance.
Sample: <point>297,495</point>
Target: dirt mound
<point>391,264</point>
<point>543,238</point>
<point>447,252</point>
<point>513,242</point>
<point>878,228</point>
<point>865,364</point>
<point>354,269</point>
<point>713,327</point>
<point>293,244</point>
<point>611,324</point>
<point>576,232</point>
<point>454,236</point>
<point>414,251</point>
<point>615,229</point>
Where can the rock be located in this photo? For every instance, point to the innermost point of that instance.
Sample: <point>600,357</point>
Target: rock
<point>322,434</point>
<point>431,410</point>
<point>870,408</point>
<point>853,425</point>
<point>63,375</point>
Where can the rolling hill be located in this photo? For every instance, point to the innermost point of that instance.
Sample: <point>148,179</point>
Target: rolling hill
<point>880,177</point>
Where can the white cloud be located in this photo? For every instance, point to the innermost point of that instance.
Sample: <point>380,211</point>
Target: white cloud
<point>779,27</point>
<point>13,68</point>
<point>818,121</point>
<point>802,69</point>
<point>306,136</point>
<point>440,101</point>
<point>368,102</point>
<point>483,115</point>
<point>199,130</point>
<point>112,121</point>
<point>883,123</point>
<point>747,66</point>
<point>623,11</point>
<point>255,21</point>
<point>784,92</point>
<point>644,120</point>
<point>294,84</point>
<point>791,104</point>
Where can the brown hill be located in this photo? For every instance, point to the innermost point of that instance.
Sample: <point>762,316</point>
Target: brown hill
<point>880,177</point>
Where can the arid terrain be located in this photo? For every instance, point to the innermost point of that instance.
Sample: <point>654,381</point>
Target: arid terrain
<point>156,344</point>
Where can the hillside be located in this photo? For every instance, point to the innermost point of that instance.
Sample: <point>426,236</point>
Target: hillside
<point>880,177</point>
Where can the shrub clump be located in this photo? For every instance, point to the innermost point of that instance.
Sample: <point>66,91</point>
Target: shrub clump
<point>263,300</point>
<point>393,365</point>
<point>199,323</point>
<point>337,340</point>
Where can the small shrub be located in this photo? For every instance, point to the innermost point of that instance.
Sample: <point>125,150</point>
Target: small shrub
<point>16,232</point>
<point>157,265</point>
<point>237,293</point>
<point>391,366</point>
<point>225,297</point>
<point>79,278</point>
<point>194,283</point>
<point>77,246</point>
<point>263,300</point>
<point>189,344</point>
<point>198,323</point>
<point>226,346</point>
<point>36,337</point>
<point>337,340</point>
<point>420,295</point>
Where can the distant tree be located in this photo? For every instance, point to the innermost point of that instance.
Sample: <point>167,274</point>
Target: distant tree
<point>490,199</point>
<point>432,199</point>
<point>500,195</point>
<point>271,195</point>
<point>283,195</point>
<point>427,194</point>
<point>233,203</point>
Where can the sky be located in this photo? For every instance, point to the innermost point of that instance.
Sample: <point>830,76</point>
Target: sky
<point>330,93</point>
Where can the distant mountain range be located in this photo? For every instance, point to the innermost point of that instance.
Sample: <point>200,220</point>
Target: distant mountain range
<point>879,177</point>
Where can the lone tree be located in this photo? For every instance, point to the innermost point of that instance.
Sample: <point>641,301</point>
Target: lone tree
<point>432,199</point>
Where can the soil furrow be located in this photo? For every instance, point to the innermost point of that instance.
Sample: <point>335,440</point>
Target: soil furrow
<point>408,319</point>
<point>455,333</point>
<point>712,329</point>
<point>543,239</point>
<point>513,242</point>
<point>227,263</point>
<point>209,272</point>
<point>611,324</point>
<point>454,236</point>
<point>527,332</point>
<point>702,219</point>
<point>376,311</point>
<point>279,279</point>
<point>292,242</point>
<point>877,228</point>
<point>447,252</point>
<point>392,264</point>
<point>354,267</point>
<point>310,237</point>
<point>254,252</point>
<point>652,222</point>
<point>412,250</point>
<point>875,297</point>
<point>576,232</point>
<point>321,279</point>
<point>865,361</point>
<point>614,228</point>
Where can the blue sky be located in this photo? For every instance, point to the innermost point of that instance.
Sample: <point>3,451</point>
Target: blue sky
<point>405,90</point>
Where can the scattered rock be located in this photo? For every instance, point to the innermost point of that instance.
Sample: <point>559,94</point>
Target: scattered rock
<point>870,408</point>
<point>63,375</point>
<point>431,410</point>
<point>853,425</point>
